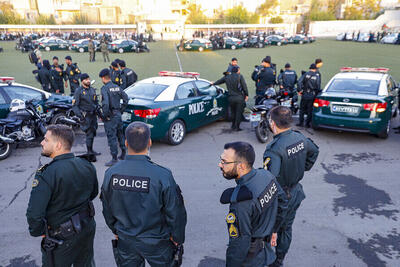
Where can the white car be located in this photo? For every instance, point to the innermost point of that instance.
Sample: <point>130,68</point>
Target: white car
<point>340,36</point>
<point>390,39</point>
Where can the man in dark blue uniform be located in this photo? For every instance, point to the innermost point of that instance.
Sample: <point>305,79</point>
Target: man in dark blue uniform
<point>112,109</point>
<point>287,79</point>
<point>234,63</point>
<point>59,76</point>
<point>142,205</point>
<point>85,107</point>
<point>287,157</point>
<point>73,72</point>
<point>128,76</point>
<point>309,88</point>
<point>115,73</point>
<point>265,77</point>
<point>257,208</point>
<point>60,206</point>
<point>45,78</point>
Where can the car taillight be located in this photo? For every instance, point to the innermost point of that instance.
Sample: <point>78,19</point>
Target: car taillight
<point>113,45</point>
<point>320,103</point>
<point>147,113</point>
<point>377,107</point>
<point>285,93</point>
<point>73,44</point>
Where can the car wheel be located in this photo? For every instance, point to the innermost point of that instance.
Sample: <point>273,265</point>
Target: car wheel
<point>301,42</point>
<point>233,47</point>
<point>201,49</point>
<point>279,44</point>
<point>47,48</point>
<point>81,50</point>
<point>120,50</point>
<point>176,132</point>
<point>384,133</point>
<point>69,48</point>
<point>5,150</point>
<point>260,45</point>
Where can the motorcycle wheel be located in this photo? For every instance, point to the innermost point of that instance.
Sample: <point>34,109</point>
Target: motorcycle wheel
<point>5,150</point>
<point>57,117</point>
<point>262,132</point>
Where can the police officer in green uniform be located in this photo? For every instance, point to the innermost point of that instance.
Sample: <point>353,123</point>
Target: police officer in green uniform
<point>60,207</point>
<point>287,157</point>
<point>72,71</point>
<point>142,205</point>
<point>115,73</point>
<point>111,96</point>
<point>59,76</point>
<point>238,95</point>
<point>257,208</point>
<point>85,107</point>
<point>128,76</point>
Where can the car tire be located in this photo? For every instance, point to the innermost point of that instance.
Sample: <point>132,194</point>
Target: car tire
<point>384,133</point>
<point>233,47</point>
<point>47,48</point>
<point>176,132</point>
<point>260,45</point>
<point>70,48</point>
<point>5,150</point>
<point>121,50</point>
<point>201,49</point>
<point>81,50</point>
<point>301,42</point>
<point>278,43</point>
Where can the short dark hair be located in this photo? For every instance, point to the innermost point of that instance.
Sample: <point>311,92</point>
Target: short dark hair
<point>266,60</point>
<point>63,133</point>
<point>234,59</point>
<point>318,60</point>
<point>243,152</point>
<point>122,64</point>
<point>138,136</point>
<point>282,116</point>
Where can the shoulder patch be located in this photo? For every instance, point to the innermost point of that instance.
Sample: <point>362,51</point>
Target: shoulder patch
<point>226,196</point>
<point>233,224</point>
<point>244,194</point>
<point>268,195</point>
<point>233,231</point>
<point>35,182</point>
<point>230,218</point>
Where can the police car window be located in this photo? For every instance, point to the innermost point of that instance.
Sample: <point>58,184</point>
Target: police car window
<point>357,86</point>
<point>205,88</point>
<point>23,93</point>
<point>145,90</point>
<point>185,90</point>
<point>2,100</point>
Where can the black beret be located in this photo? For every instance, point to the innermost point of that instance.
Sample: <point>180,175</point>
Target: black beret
<point>267,60</point>
<point>234,59</point>
<point>68,57</point>
<point>104,72</point>
<point>122,64</point>
<point>84,76</point>
<point>287,65</point>
<point>235,69</point>
<point>313,67</point>
<point>55,57</point>
<point>114,64</point>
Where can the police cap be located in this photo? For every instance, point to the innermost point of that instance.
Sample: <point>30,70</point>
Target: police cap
<point>114,64</point>
<point>84,76</point>
<point>267,60</point>
<point>122,64</point>
<point>55,57</point>
<point>313,67</point>
<point>104,72</point>
<point>287,65</point>
<point>68,57</point>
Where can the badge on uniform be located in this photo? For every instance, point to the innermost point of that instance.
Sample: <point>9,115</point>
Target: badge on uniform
<point>233,229</point>
<point>84,92</point>
<point>266,161</point>
<point>116,79</point>
<point>71,73</point>
<point>35,182</point>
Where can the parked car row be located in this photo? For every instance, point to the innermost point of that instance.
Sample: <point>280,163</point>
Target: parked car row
<point>390,38</point>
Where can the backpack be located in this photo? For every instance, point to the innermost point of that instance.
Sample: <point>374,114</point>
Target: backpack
<point>33,58</point>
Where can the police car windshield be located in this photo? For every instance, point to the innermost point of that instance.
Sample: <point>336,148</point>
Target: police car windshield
<point>357,86</point>
<point>145,90</point>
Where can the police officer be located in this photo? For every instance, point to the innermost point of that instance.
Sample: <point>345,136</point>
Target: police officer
<point>257,208</point>
<point>72,71</point>
<point>60,207</point>
<point>104,50</point>
<point>234,62</point>
<point>309,87</point>
<point>112,109</point>
<point>115,72</point>
<point>128,76</point>
<point>238,95</point>
<point>45,78</point>
<point>287,79</point>
<point>287,157</point>
<point>91,49</point>
<point>142,205</point>
<point>59,76</point>
<point>265,77</point>
<point>85,107</point>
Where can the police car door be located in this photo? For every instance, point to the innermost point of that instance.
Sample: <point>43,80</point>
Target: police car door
<point>190,106</point>
<point>210,98</point>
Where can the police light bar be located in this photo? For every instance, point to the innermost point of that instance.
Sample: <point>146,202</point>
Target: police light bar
<point>7,80</point>
<point>350,69</point>
<point>179,74</point>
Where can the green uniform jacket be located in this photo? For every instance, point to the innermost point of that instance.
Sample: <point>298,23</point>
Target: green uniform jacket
<point>288,156</point>
<point>60,189</point>
<point>257,208</point>
<point>235,84</point>
<point>141,199</point>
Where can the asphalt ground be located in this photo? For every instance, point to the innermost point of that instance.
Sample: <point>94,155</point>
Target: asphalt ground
<point>350,216</point>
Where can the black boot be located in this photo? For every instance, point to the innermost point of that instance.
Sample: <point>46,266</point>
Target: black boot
<point>278,261</point>
<point>91,151</point>
<point>112,162</point>
<point>123,153</point>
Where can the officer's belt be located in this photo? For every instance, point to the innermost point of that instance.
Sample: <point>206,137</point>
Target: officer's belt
<point>288,189</point>
<point>256,246</point>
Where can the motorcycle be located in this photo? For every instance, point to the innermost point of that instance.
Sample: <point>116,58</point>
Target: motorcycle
<point>61,113</point>
<point>288,98</point>
<point>259,115</point>
<point>23,124</point>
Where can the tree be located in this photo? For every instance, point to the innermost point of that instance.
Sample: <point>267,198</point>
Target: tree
<point>196,15</point>
<point>266,9</point>
<point>316,13</point>
<point>240,15</point>
<point>45,20</point>
<point>362,9</point>
<point>276,20</point>
<point>79,18</point>
<point>334,6</point>
<point>8,15</point>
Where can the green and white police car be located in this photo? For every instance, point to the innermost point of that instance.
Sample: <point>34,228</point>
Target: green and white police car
<point>175,103</point>
<point>358,100</point>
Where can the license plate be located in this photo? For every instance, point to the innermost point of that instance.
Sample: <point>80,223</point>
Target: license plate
<point>287,103</point>
<point>126,116</point>
<point>255,117</point>
<point>345,109</point>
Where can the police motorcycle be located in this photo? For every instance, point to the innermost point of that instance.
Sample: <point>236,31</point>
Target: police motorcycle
<point>61,113</point>
<point>23,124</point>
<point>288,99</point>
<point>259,115</point>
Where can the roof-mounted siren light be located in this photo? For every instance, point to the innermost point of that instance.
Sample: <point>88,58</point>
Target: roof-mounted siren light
<point>179,74</point>
<point>351,69</point>
<point>7,80</point>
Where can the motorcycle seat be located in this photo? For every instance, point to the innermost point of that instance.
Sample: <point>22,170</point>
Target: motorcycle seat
<point>260,107</point>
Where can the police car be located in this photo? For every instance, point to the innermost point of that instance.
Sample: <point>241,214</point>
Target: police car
<point>10,90</point>
<point>358,100</point>
<point>175,103</point>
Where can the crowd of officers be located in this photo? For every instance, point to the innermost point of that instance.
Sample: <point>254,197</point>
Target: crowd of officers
<point>144,207</point>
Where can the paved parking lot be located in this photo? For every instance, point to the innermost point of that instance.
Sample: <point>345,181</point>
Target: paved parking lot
<point>349,218</point>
